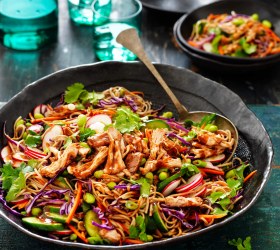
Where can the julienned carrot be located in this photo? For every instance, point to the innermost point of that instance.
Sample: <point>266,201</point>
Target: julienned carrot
<point>212,216</point>
<point>212,171</point>
<point>75,231</point>
<point>133,241</point>
<point>76,203</point>
<point>49,118</point>
<point>249,176</point>
<point>124,228</point>
<point>22,204</point>
<point>137,93</point>
<point>192,43</point>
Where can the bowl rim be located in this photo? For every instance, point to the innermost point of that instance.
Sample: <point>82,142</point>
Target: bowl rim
<point>239,60</point>
<point>267,170</point>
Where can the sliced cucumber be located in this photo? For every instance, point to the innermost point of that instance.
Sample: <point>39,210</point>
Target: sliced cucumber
<point>52,209</point>
<point>58,218</point>
<point>158,220</point>
<point>91,229</point>
<point>156,123</point>
<point>42,224</point>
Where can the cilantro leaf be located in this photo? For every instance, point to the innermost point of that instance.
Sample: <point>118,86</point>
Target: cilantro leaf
<point>9,175</point>
<point>13,180</point>
<point>77,92</point>
<point>87,132</point>
<point>73,92</point>
<point>33,140</point>
<point>245,245</point>
<point>126,121</point>
<point>133,232</point>
<point>16,187</point>
<point>91,97</point>
<point>139,230</point>
<point>218,210</point>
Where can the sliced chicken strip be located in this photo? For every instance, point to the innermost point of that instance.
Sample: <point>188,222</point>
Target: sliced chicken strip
<point>65,159</point>
<point>85,170</point>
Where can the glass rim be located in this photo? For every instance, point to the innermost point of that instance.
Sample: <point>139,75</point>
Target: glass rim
<point>120,18</point>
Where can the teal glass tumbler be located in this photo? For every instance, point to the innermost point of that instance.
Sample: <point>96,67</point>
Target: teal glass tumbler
<point>80,11</point>
<point>28,24</point>
<point>110,17</point>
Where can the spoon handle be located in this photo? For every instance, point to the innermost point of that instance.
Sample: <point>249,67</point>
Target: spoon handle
<point>129,39</point>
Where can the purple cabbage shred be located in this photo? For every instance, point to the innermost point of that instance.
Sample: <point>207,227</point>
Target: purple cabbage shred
<point>101,217</point>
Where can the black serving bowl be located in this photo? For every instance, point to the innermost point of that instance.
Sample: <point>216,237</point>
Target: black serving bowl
<point>221,66</point>
<point>184,28</point>
<point>194,91</point>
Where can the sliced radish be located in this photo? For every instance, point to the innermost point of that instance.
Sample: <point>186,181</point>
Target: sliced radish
<point>41,109</point>
<point>170,187</point>
<point>37,128</point>
<point>34,153</point>
<point>98,127</point>
<point>62,232</point>
<point>193,182</point>
<point>50,134</point>
<point>201,192</point>
<point>216,158</point>
<point>105,119</point>
<point>19,156</point>
<point>7,154</point>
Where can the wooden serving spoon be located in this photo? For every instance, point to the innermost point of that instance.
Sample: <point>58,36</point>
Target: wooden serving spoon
<point>129,39</point>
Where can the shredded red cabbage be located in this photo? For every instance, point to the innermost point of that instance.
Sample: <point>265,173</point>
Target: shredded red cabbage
<point>174,124</point>
<point>42,192</point>
<point>118,100</point>
<point>102,217</point>
<point>177,214</point>
<point>179,138</point>
<point>133,187</point>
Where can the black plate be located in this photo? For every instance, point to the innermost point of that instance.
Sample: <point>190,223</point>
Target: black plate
<point>248,7</point>
<point>195,91</point>
<point>175,6</point>
<point>222,66</point>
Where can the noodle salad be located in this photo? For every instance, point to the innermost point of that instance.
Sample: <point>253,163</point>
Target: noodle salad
<point>235,35</point>
<point>106,168</point>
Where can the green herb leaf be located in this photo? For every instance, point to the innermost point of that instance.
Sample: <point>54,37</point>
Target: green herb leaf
<point>213,197</point>
<point>245,245</point>
<point>33,140</point>
<point>87,132</point>
<point>138,231</point>
<point>189,169</point>
<point>9,175</point>
<point>91,97</point>
<point>73,92</point>
<point>145,187</point>
<point>133,232</point>
<point>218,211</point>
<point>16,187</point>
<point>126,121</point>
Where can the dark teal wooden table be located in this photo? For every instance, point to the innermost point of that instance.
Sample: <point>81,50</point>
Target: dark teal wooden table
<point>74,47</point>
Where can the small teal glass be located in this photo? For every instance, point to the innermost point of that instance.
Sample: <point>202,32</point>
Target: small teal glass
<point>110,17</point>
<point>80,12</point>
<point>28,24</point>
